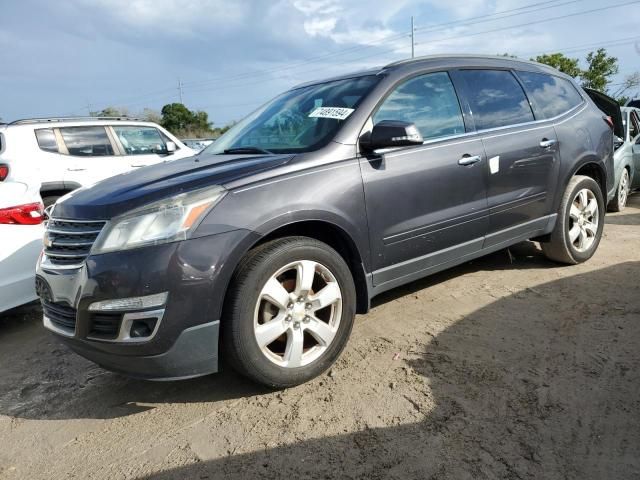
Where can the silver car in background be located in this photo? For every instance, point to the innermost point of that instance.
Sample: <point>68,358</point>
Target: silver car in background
<point>627,158</point>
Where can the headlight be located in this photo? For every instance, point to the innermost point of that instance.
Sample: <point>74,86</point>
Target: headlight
<point>165,221</point>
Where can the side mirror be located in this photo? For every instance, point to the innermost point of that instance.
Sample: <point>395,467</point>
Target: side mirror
<point>391,133</point>
<point>171,147</point>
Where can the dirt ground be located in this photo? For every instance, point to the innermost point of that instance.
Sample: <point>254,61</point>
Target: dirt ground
<point>506,367</point>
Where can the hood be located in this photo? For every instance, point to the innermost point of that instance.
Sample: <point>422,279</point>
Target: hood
<point>610,107</point>
<point>119,194</point>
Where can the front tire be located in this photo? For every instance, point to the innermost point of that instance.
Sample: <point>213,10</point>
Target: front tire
<point>289,311</point>
<point>579,225</point>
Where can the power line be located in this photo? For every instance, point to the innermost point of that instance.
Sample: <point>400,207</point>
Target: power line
<point>376,54</point>
<point>290,67</point>
<point>577,48</point>
<point>379,42</point>
<point>383,40</point>
<point>536,22</point>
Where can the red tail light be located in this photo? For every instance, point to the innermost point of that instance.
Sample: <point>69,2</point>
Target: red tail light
<point>28,214</point>
<point>609,121</point>
<point>4,172</point>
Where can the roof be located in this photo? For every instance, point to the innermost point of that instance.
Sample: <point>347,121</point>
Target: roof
<point>434,58</point>
<point>451,60</point>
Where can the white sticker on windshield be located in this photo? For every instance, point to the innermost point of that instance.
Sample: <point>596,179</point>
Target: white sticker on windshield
<point>339,113</point>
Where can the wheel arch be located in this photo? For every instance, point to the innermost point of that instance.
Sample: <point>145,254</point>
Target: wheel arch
<point>591,167</point>
<point>337,238</point>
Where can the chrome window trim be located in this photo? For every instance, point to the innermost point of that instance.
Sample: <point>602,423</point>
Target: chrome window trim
<point>478,134</point>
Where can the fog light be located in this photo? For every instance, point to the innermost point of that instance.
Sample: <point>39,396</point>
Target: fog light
<point>142,328</point>
<point>132,303</point>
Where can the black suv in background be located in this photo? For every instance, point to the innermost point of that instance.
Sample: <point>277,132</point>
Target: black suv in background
<point>266,244</point>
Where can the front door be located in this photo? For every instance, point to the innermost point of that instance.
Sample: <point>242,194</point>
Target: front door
<point>141,145</point>
<point>426,205</point>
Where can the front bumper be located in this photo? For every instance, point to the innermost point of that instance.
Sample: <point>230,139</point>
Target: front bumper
<point>195,273</point>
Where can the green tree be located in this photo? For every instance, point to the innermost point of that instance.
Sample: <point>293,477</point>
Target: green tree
<point>176,117</point>
<point>559,61</point>
<point>600,68</point>
<point>182,122</point>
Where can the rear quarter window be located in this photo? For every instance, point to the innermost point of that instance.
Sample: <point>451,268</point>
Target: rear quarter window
<point>551,96</point>
<point>47,140</point>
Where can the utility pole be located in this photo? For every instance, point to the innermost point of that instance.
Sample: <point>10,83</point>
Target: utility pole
<point>180,90</point>
<point>412,39</point>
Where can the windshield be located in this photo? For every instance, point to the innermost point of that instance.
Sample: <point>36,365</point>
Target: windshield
<point>300,120</point>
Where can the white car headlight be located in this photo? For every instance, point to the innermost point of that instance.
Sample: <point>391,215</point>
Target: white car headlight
<point>165,221</point>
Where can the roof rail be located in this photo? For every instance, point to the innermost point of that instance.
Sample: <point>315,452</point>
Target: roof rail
<point>27,121</point>
<point>459,55</point>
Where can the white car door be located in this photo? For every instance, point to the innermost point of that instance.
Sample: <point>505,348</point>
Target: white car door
<point>92,155</point>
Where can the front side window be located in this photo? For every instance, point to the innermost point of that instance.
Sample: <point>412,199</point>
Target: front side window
<point>496,99</point>
<point>87,141</point>
<point>551,95</point>
<point>47,140</point>
<point>428,101</point>
<point>140,140</point>
<point>301,120</point>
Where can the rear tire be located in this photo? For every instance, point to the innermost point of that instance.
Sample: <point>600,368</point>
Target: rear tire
<point>289,311</point>
<point>619,202</point>
<point>579,225</point>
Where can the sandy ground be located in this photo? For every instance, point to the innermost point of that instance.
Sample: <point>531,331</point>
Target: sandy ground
<point>506,367</point>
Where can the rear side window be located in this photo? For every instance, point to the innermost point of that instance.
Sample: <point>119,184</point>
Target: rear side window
<point>140,140</point>
<point>47,140</point>
<point>550,95</point>
<point>496,99</point>
<point>428,101</point>
<point>87,141</point>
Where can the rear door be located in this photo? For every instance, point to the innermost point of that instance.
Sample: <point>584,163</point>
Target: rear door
<point>426,204</point>
<point>522,156</point>
<point>92,153</point>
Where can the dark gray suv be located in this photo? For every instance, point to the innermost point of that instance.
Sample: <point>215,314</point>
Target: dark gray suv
<point>260,250</point>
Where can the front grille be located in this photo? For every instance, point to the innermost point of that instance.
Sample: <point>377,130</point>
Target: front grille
<point>68,242</point>
<point>105,325</point>
<point>62,316</point>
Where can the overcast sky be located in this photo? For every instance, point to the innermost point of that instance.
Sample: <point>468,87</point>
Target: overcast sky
<point>62,58</point>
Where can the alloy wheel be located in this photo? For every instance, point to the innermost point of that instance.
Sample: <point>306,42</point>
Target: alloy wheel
<point>623,189</point>
<point>583,220</point>
<point>298,313</point>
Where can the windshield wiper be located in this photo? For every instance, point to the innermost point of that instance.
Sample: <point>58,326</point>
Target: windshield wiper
<point>247,150</point>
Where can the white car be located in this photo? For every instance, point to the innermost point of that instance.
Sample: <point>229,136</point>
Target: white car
<point>21,231</point>
<point>70,153</point>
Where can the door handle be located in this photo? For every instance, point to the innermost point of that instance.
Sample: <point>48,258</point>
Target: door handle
<point>546,143</point>
<point>467,160</point>
<point>76,169</point>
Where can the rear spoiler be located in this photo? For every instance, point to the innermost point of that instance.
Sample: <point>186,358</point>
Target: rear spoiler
<point>610,107</point>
